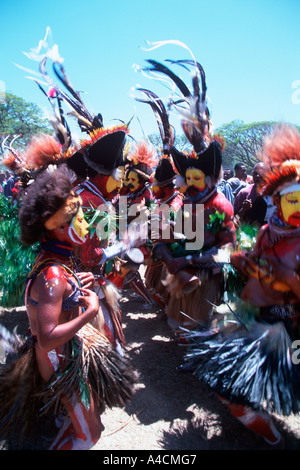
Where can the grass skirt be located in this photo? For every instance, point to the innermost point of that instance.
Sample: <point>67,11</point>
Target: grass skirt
<point>196,304</point>
<point>90,360</point>
<point>253,365</point>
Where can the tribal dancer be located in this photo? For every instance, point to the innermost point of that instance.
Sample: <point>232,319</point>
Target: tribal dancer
<point>168,199</point>
<point>195,280</point>
<point>263,374</point>
<point>142,159</point>
<point>104,161</point>
<point>65,366</point>
<point>99,165</point>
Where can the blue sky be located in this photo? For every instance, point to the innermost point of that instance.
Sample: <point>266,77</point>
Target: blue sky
<point>250,51</point>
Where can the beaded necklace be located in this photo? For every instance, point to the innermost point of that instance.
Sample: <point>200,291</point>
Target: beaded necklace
<point>53,252</point>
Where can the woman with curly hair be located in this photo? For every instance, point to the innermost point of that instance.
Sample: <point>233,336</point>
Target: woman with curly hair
<point>65,365</point>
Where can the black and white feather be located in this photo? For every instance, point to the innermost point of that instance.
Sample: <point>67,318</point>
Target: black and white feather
<point>253,365</point>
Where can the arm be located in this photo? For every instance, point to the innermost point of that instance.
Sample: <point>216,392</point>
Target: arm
<point>52,329</point>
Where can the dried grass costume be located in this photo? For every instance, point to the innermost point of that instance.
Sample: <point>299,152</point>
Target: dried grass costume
<point>195,285</point>
<point>87,364</point>
<point>253,365</point>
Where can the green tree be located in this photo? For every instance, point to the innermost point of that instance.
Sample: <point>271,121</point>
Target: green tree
<point>19,117</point>
<point>244,141</point>
<point>181,143</point>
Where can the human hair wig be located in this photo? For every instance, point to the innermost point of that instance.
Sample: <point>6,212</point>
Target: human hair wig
<point>44,197</point>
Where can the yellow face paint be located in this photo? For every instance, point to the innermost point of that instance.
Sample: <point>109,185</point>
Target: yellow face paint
<point>155,188</point>
<point>111,184</point>
<point>121,174</point>
<point>290,208</point>
<point>78,228</point>
<point>133,181</point>
<point>196,178</point>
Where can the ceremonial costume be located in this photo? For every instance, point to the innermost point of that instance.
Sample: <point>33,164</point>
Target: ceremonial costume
<point>99,164</point>
<point>141,161</point>
<point>103,157</point>
<point>65,367</point>
<point>192,285</point>
<point>263,373</point>
<point>167,198</point>
<point>168,203</point>
<point>205,280</point>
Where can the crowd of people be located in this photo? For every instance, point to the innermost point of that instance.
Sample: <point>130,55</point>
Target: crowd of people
<point>105,207</point>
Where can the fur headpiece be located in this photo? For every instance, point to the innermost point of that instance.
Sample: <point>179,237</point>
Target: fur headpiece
<point>103,151</point>
<point>281,154</point>
<point>142,159</point>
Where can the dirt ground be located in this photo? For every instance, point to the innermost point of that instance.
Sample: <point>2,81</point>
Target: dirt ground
<point>170,410</point>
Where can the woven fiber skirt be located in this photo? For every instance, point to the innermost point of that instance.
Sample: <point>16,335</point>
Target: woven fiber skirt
<point>253,366</point>
<point>90,363</point>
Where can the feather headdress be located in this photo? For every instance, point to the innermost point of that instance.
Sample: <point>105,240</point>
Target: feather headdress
<point>193,104</point>
<point>80,159</point>
<point>142,159</point>
<point>102,151</point>
<point>165,171</point>
<point>86,120</point>
<point>160,112</point>
<point>281,154</point>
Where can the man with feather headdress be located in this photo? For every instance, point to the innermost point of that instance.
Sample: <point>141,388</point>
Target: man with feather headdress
<point>98,164</point>
<point>262,375</point>
<point>141,161</point>
<point>194,278</point>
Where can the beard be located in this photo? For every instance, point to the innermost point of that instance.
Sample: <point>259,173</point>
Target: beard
<point>193,191</point>
<point>294,219</point>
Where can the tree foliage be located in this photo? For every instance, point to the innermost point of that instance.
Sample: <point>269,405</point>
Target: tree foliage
<point>181,143</point>
<point>16,258</point>
<point>19,117</point>
<point>244,141</point>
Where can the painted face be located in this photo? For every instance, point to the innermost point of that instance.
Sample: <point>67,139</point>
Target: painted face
<point>290,208</point>
<point>78,228</point>
<point>133,181</point>
<point>121,174</point>
<point>111,184</point>
<point>156,189</point>
<point>195,178</point>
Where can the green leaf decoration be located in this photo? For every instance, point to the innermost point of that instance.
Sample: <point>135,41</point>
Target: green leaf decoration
<point>215,222</point>
<point>16,258</point>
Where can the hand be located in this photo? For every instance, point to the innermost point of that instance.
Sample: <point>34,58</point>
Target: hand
<point>177,264</point>
<point>86,279</point>
<point>241,261</point>
<point>247,204</point>
<point>89,301</point>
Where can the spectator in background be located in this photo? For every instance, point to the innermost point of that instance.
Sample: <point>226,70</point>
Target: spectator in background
<point>2,176</point>
<point>9,184</point>
<point>249,205</point>
<point>240,180</point>
<point>241,172</point>
<point>228,173</point>
<point>224,187</point>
